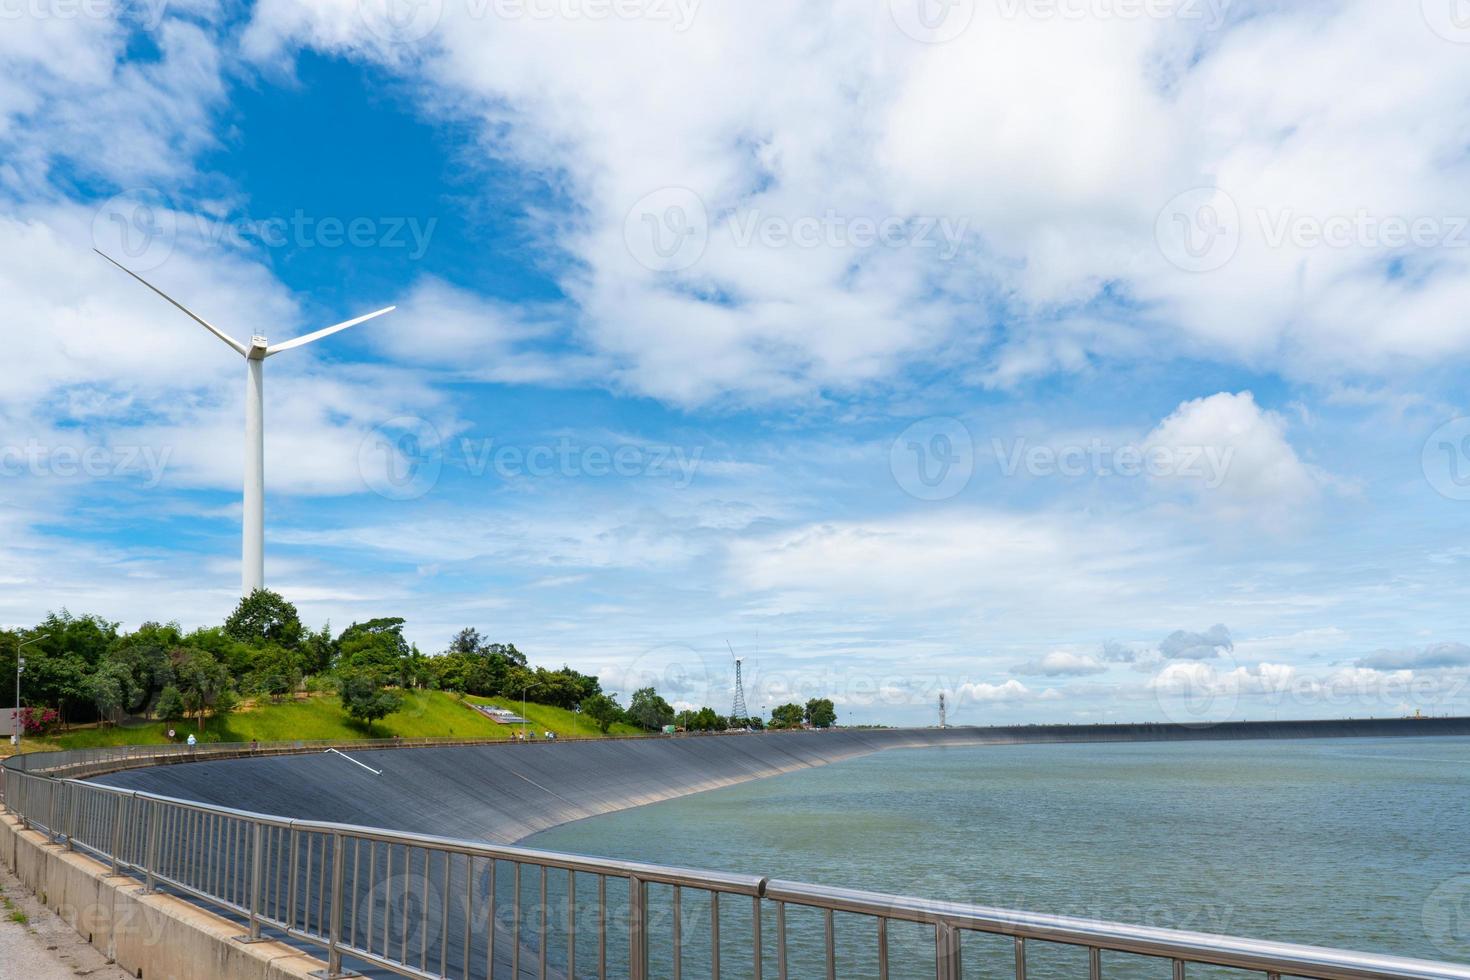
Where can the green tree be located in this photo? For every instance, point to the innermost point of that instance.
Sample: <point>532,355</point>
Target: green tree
<point>703,720</point>
<point>319,651</point>
<point>204,683</point>
<point>265,617</point>
<point>499,669</point>
<point>145,655</point>
<point>468,642</point>
<point>603,710</point>
<point>276,672</point>
<point>111,690</point>
<point>507,651</point>
<point>58,667</point>
<point>366,697</point>
<point>170,704</point>
<point>820,713</point>
<point>236,657</point>
<point>451,672</point>
<point>787,716</point>
<point>649,711</point>
<point>375,645</point>
<point>414,669</point>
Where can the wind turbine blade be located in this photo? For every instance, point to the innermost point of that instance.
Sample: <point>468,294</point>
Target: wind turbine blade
<point>239,347</point>
<point>309,338</point>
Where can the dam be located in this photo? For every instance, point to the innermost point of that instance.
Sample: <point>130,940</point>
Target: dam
<point>505,793</point>
<point>401,860</point>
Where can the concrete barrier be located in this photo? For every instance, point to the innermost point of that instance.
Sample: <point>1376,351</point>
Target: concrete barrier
<point>153,937</point>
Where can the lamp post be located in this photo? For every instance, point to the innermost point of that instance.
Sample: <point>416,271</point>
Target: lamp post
<point>20,666</point>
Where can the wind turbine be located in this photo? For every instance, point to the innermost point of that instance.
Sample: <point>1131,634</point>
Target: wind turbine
<point>252,574</point>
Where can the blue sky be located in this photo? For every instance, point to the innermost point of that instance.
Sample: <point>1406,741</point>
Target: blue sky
<point>1075,364</point>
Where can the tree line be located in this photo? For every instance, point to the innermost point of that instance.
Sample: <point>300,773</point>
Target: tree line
<point>83,669</point>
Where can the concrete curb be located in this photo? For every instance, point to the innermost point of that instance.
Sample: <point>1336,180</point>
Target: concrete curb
<point>152,937</point>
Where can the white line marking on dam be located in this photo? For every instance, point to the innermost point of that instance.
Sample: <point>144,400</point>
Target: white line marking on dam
<point>375,772</point>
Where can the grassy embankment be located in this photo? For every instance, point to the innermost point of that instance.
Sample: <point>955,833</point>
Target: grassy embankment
<point>566,724</point>
<point>425,714</point>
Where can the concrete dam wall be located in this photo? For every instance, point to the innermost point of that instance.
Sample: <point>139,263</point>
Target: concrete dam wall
<point>504,793</point>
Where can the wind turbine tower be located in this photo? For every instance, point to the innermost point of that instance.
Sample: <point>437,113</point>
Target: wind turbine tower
<point>252,574</point>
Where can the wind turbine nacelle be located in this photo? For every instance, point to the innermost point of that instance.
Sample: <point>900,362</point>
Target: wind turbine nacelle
<point>258,349</point>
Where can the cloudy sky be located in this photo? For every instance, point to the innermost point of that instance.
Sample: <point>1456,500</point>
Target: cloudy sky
<point>1079,359</point>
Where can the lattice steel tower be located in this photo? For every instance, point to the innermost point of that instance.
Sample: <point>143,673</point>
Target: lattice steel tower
<point>739,711</point>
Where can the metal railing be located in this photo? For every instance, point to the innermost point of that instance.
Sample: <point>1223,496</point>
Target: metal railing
<point>422,906</point>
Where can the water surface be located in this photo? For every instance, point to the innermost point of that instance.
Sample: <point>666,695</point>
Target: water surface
<point>1358,843</point>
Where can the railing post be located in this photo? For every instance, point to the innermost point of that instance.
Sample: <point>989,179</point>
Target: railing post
<point>117,835</point>
<point>257,870</point>
<point>637,929</point>
<point>155,831</point>
<point>334,950</point>
<point>781,940</point>
<point>52,835</point>
<point>71,814</point>
<point>947,954</point>
<point>757,950</point>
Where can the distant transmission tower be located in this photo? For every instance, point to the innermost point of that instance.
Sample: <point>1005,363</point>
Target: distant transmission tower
<point>943,720</point>
<point>739,710</point>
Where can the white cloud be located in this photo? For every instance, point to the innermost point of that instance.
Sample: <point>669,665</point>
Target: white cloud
<point>996,566</point>
<point>1063,663</point>
<point>1185,645</point>
<point>1233,456</point>
<point>1055,142</point>
<point>1011,690</point>
<point>440,325</point>
<point>68,95</point>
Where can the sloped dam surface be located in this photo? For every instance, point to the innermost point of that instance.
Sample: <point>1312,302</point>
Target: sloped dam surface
<point>505,792</point>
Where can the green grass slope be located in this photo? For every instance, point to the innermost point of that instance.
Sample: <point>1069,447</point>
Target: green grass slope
<point>424,714</point>
<point>566,724</point>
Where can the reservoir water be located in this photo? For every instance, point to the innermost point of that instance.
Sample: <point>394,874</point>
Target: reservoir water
<point>1356,843</point>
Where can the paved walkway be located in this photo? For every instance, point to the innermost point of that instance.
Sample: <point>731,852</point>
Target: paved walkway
<point>43,947</point>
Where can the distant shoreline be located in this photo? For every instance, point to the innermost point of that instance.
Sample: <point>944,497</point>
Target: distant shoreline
<point>1224,730</point>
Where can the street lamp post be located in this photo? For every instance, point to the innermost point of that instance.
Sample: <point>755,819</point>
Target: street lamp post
<point>20,666</point>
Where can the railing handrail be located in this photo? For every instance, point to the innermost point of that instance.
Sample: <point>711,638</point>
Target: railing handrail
<point>1271,958</point>
<point>1195,947</point>
<point>727,882</point>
